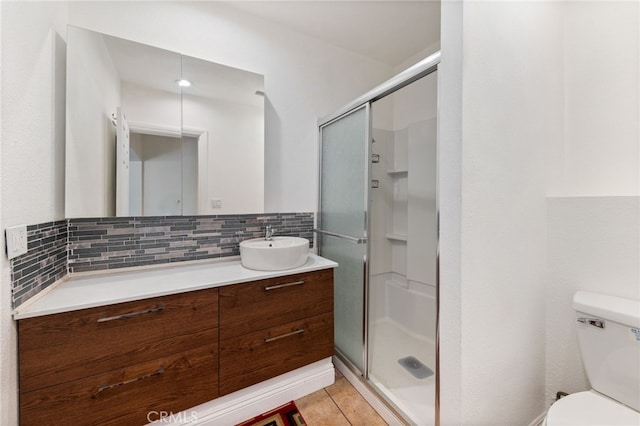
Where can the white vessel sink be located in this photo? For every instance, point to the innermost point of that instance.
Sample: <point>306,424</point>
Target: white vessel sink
<point>276,254</point>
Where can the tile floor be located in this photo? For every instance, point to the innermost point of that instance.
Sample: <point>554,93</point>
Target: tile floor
<point>337,405</point>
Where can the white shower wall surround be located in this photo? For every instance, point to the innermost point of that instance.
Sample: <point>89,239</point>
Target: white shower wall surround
<point>409,305</point>
<point>405,202</point>
<point>80,245</point>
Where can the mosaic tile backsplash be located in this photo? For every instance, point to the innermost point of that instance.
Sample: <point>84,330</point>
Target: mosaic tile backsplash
<point>78,245</point>
<point>43,264</point>
<point>110,243</point>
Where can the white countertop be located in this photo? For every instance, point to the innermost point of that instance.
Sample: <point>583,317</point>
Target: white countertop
<point>88,290</point>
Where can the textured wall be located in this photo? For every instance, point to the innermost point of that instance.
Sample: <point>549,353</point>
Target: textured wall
<point>602,99</point>
<point>594,245</point>
<point>32,170</point>
<point>594,216</point>
<point>512,116</point>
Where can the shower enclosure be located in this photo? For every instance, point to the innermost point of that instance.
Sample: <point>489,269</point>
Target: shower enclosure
<point>378,219</point>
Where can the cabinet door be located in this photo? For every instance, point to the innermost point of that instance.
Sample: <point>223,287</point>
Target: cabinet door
<point>249,307</point>
<point>59,348</point>
<point>258,356</point>
<point>133,395</point>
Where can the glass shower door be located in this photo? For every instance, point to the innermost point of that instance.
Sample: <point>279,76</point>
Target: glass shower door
<point>342,224</point>
<point>378,219</point>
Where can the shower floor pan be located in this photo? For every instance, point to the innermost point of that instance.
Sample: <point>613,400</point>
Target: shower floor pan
<point>414,396</point>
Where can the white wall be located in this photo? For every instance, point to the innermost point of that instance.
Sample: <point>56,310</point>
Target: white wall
<point>594,245</point>
<point>531,113</point>
<point>602,96</point>
<point>503,117</point>
<point>304,78</point>
<point>31,185</point>
<point>594,215</point>
<point>90,150</point>
<point>161,175</point>
<point>449,355</point>
<point>235,147</point>
<point>511,111</point>
<point>30,90</point>
<point>151,107</point>
<point>135,174</point>
<point>235,152</point>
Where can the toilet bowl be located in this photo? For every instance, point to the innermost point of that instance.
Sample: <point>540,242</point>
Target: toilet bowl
<point>590,408</point>
<point>609,335</point>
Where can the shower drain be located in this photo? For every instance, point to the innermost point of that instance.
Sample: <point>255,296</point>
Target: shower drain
<point>415,367</point>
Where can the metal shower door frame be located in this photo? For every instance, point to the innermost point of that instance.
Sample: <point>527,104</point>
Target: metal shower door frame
<point>421,69</point>
<point>354,239</point>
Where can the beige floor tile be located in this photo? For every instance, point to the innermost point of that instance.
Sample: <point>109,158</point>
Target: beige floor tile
<point>318,409</point>
<point>353,405</point>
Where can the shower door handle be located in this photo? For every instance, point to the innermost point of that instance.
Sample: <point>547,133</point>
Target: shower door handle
<point>355,240</point>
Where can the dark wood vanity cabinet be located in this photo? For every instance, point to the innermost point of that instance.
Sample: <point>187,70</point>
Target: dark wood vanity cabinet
<point>273,326</point>
<point>122,364</point>
<point>119,364</point>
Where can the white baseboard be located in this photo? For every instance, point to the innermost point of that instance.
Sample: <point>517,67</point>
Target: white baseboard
<point>539,421</point>
<point>254,400</point>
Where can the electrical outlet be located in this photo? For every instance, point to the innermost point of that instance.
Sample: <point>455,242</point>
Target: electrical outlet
<point>216,203</point>
<point>16,238</point>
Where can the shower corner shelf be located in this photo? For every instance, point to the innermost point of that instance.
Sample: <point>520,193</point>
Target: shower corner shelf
<point>397,172</point>
<point>396,237</point>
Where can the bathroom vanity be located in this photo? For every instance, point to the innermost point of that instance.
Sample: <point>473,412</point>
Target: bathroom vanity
<point>111,348</point>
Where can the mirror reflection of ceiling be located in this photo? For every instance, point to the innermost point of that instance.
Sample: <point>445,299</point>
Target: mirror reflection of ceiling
<point>388,31</point>
<point>133,60</point>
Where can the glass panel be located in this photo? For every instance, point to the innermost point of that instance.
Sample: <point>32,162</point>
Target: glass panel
<point>342,198</point>
<point>342,211</point>
<point>403,241</point>
<point>349,295</point>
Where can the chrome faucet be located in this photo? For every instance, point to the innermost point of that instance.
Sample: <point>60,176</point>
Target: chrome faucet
<point>268,232</point>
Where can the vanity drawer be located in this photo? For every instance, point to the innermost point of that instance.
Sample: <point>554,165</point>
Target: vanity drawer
<point>62,347</point>
<point>249,307</point>
<point>258,356</point>
<point>133,395</point>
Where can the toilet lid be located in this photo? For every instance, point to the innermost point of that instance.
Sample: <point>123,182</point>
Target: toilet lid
<point>591,409</point>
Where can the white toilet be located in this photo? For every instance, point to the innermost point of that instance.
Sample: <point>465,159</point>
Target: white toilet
<point>609,334</point>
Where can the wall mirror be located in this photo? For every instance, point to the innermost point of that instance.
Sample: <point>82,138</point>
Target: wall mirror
<point>150,132</point>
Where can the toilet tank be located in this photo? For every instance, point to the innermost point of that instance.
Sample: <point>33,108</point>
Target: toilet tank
<point>609,335</point>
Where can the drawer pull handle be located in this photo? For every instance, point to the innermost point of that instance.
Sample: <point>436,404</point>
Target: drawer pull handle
<point>158,308</point>
<point>282,336</point>
<point>158,372</point>
<point>275,287</point>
